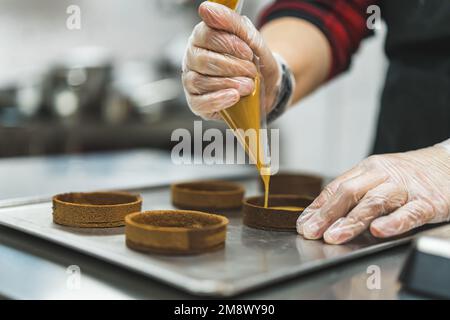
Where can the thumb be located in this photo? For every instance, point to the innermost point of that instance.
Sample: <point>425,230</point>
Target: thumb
<point>222,18</point>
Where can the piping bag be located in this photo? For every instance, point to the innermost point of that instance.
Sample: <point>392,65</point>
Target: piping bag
<point>248,119</point>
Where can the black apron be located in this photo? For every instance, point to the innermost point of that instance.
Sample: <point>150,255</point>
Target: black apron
<point>415,104</point>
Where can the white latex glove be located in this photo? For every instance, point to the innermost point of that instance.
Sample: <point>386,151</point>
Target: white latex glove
<point>390,194</point>
<point>218,66</point>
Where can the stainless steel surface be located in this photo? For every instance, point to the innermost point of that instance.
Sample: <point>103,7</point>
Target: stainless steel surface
<point>252,258</point>
<point>32,268</point>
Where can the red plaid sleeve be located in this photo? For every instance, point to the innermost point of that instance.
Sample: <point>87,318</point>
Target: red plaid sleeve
<point>342,21</point>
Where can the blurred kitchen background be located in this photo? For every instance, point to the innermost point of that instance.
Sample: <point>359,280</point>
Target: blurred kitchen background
<point>115,84</point>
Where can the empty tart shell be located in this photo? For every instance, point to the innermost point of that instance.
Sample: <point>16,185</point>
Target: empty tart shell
<point>94,209</point>
<point>295,183</point>
<point>274,218</point>
<point>213,195</point>
<point>178,232</point>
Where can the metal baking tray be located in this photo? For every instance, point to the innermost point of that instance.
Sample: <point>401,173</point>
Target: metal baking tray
<point>251,258</point>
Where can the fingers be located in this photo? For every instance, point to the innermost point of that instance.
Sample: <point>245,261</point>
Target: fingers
<point>379,201</point>
<point>324,196</point>
<point>197,84</point>
<point>214,81</point>
<point>221,42</point>
<point>215,64</point>
<point>412,215</point>
<point>346,197</point>
<point>209,104</point>
<point>207,96</point>
<point>219,17</point>
<point>333,186</point>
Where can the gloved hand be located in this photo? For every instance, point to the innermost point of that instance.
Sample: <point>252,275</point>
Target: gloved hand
<point>390,194</point>
<point>218,66</point>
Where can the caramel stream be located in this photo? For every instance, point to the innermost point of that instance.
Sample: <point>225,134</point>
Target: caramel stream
<point>288,208</point>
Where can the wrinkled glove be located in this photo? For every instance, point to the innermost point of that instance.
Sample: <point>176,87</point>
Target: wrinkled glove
<point>390,194</point>
<point>218,67</point>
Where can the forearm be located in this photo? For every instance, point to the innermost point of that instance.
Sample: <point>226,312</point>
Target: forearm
<point>305,49</point>
<point>445,158</point>
<point>446,145</point>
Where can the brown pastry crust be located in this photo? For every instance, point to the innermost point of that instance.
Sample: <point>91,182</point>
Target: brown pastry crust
<point>94,209</point>
<point>213,195</point>
<point>295,183</point>
<point>178,232</point>
<point>256,216</point>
